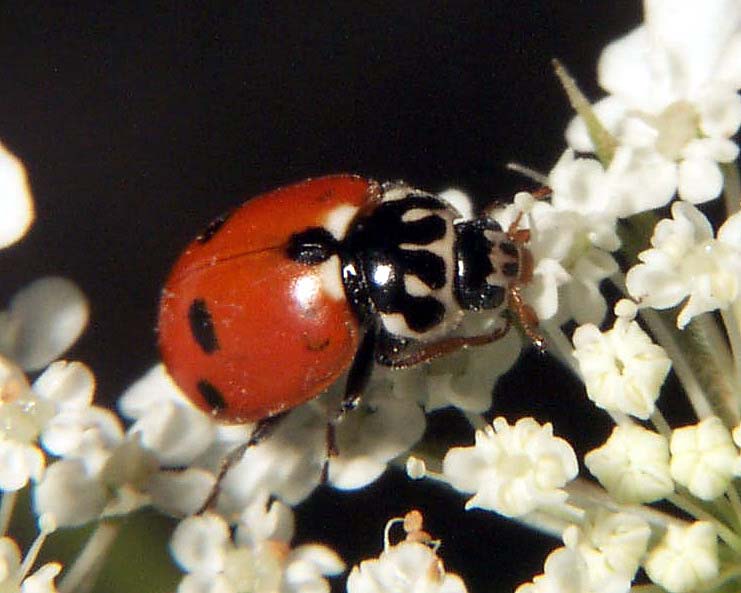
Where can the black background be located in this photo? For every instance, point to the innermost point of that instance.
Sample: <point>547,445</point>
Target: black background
<point>139,124</point>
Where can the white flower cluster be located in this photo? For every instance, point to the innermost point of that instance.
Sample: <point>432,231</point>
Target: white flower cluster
<point>666,129</point>
<point>673,102</point>
<point>257,558</point>
<point>87,466</point>
<point>687,263</point>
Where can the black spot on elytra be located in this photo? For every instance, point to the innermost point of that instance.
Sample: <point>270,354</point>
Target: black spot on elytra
<point>317,346</point>
<point>213,228</point>
<point>214,398</point>
<point>312,246</point>
<point>202,326</point>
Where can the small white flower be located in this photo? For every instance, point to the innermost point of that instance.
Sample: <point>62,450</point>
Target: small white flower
<point>70,493</point>
<point>261,522</point>
<point>380,429</point>
<point>623,370</point>
<point>26,414</point>
<point>512,469</point>
<point>14,571</point>
<point>42,581</point>
<point>634,181</point>
<point>287,465</point>
<point>612,546</point>
<point>101,471</point>
<point>703,458</point>
<point>198,543</point>
<point>633,464</point>
<point>18,464</point>
<point>685,558</point>
<point>16,210</point>
<point>169,425</point>
<point>410,565</point>
<point>564,572</point>
<point>44,319</point>
<point>686,261</point>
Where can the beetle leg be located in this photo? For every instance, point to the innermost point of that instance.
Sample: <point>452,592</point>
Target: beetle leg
<point>360,372</point>
<point>442,347</point>
<point>525,313</point>
<point>357,380</point>
<point>263,429</point>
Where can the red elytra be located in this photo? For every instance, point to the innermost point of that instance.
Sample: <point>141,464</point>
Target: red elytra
<point>247,332</point>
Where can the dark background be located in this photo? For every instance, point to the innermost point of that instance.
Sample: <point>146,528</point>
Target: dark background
<point>139,124</point>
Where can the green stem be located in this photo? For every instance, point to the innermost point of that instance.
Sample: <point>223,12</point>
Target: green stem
<point>666,335</point>
<point>589,496</point>
<point>6,510</point>
<point>732,324</point>
<point>559,345</point>
<point>731,188</point>
<point>707,367</point>
<point>660,424</point>
<point>81,576</point>
<point>552,520</point>
<point>735,501</point>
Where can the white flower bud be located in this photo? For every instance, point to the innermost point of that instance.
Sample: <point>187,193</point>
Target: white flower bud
<point>623,369</point>
<point>633,464</point>
<point>703,458</point>
<point>685,558</point>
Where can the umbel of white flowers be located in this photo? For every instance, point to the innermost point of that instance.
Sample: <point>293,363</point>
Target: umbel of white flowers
<point>663,136</point>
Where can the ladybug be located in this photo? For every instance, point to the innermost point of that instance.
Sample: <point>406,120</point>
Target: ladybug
<point>275,301</point>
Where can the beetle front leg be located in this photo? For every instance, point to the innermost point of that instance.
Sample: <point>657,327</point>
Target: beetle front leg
<point>357,380</point>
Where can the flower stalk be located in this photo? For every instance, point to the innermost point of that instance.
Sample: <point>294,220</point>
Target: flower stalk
<point>80,577</point>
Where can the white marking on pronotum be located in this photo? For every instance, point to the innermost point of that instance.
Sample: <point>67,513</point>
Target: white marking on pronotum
<point>414,286</point>
<point>396,192</point>
<point>416,214</point>
<point>331,278</point>
<point>338,220</point>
